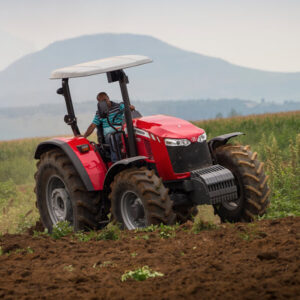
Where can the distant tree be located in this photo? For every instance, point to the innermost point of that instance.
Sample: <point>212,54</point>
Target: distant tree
<point>233,113</point>
<point>219,115</point>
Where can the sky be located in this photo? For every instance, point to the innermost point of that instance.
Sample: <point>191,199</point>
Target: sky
<point>258,34</point>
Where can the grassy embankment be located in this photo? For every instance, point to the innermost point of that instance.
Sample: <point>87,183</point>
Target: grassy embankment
<point>276,137</point>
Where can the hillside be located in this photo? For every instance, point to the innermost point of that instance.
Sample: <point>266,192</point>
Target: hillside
<point>12,48</point>
<point>175,74</point>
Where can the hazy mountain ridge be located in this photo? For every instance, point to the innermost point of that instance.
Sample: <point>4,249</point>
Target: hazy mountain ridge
<point>175,74</point>
<point>12,48</point>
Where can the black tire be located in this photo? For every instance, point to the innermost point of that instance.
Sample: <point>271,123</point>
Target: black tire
<point>185,213</point>
<point>61,195</point>
<point>253,191</point>
<point>139,199</point>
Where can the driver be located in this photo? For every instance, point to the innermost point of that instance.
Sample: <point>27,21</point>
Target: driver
<point>114,109</point>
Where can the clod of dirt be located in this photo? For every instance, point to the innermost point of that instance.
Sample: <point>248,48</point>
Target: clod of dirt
<point>37,227</point>
<point>10,248</point>
<point>268,255</point>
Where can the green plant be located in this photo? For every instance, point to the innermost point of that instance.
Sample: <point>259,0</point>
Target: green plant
<point>150,228</point>
<point>69,268</point>
<point>144,237</point>
<point>29,250</point>
<point>166,231</point>
<point>200,225</point>
<point>105,264</point>
<point>37,234</point>
<point>251,232</point>
<point>133,254</point>
<point>141,274</point>
<point>111,232</point>
<point>23,224</point>
<point>85,236</point>
<point>26,250</point>
<point>61,229</point>
<point>7,193</point>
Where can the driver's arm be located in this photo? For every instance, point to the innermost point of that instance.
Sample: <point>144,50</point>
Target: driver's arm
<point>90,130</point>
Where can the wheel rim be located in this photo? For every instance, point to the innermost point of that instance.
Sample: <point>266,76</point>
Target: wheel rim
<point>58,201</point>
<point>132,210</point>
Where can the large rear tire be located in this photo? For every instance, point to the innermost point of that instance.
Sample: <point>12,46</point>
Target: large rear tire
<point>61,195</point>
<point>251,181</point>
<point>139,199</point>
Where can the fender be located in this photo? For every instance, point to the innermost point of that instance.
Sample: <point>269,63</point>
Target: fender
<point>221,140</point>
<point>121,165</point>
<point>89,165</point>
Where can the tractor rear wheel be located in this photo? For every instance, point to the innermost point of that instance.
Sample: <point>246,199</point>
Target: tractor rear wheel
<point>251,181</point>
<point>139,199</point>
<point>61,195</point>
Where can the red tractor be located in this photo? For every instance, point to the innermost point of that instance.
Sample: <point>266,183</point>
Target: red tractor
<point>165,168</point>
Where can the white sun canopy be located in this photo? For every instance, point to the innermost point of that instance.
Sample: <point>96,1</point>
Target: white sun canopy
<point>100,66</point>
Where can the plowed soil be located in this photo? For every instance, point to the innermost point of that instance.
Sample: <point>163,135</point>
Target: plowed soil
<point>241,261</point>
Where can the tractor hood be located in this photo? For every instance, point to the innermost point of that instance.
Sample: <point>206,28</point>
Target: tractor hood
<point>168,127</point>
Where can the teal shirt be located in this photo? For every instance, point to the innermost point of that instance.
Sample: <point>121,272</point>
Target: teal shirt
<point>112,112</point>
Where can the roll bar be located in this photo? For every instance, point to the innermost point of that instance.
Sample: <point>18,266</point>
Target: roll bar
<point>70,118</point>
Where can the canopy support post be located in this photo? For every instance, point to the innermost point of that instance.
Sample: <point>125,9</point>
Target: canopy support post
<point>70,118</point>
<point>123,80</point>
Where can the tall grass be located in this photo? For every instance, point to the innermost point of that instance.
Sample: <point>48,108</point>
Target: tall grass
<point>283,126</point>
<point>276,138</point>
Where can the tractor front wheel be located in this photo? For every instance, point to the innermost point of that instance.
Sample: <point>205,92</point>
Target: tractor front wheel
<point>251,181</point>
<point>61,195</point>
<point>139,199</point>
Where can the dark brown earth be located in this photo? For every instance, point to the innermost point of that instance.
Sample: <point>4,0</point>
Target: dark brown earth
<point>260,261</point>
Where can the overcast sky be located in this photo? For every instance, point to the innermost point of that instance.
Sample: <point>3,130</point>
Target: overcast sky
<point>261,34</point>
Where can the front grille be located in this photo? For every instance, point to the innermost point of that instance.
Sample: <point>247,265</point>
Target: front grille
<point>219,181</point>
<point>189,158</point>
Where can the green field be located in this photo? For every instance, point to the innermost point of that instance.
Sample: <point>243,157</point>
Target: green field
<point>276,138</point>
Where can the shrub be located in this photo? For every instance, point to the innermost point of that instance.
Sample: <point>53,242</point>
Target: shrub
<point>111,232</point>
<point>61,229</point>
<point>166,231</point>
<point>150,228</point>
<point>200,225</point>
<point>85,236</point>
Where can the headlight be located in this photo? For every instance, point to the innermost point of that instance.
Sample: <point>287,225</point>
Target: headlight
<point>202,138</point>
<point>177,142</point>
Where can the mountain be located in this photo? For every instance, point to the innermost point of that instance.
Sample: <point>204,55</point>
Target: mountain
<point>175,74</point>
<point>12,48</point>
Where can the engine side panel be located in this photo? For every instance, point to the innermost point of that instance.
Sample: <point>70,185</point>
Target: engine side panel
<point>89,165</point>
